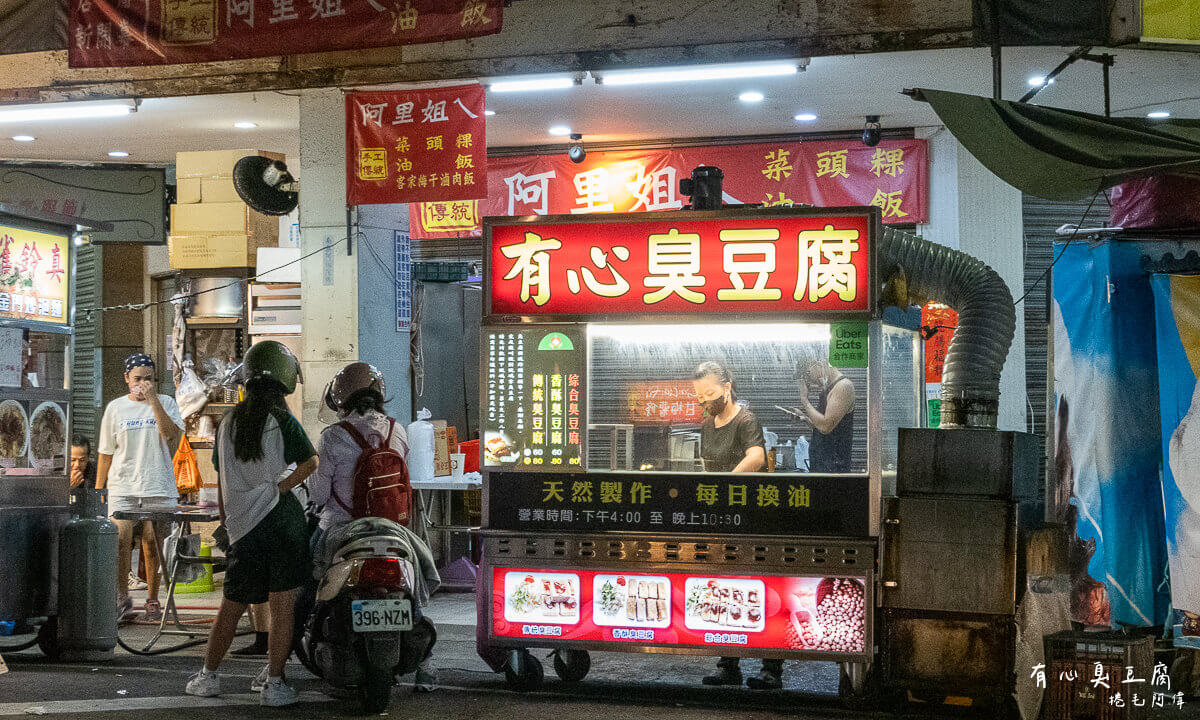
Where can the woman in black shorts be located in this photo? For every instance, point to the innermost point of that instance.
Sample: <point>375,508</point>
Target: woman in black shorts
<point>269,557</point>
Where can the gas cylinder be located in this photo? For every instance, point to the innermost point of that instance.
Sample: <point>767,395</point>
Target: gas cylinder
<point>87,580</point>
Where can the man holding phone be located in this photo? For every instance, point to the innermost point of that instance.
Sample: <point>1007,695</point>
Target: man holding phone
<point>138,438</point>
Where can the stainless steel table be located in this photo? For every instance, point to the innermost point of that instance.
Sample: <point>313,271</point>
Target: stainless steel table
<point>180,517</point>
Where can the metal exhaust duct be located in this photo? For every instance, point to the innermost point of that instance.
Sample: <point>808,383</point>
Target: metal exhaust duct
<point>917,271</point>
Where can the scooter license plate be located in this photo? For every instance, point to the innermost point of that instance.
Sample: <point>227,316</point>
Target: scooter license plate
<point>381,615</point>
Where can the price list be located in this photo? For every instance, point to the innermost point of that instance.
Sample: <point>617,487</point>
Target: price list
<point>534,399</point>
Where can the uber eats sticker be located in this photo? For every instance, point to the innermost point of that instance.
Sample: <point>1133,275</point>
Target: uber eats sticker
<point>848,345</point>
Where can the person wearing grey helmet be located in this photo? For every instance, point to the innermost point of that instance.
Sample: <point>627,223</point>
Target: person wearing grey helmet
<point>356,395</point>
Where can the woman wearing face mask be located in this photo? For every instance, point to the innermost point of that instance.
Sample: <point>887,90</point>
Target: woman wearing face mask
<point>731,440</point>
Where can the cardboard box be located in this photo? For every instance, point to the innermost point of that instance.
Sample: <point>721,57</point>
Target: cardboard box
<point>218,190</point>
<point>441,449</point>
<point>278,265</point>
<point>187,191</point>
<point>213,250</point>
<point>275,316</point>
<point>232,218</point>
<point>213,163</point>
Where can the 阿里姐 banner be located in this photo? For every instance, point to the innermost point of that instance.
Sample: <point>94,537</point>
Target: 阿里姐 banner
<point>115,33</point>
<point>892,176</point>
<point>416,146</point>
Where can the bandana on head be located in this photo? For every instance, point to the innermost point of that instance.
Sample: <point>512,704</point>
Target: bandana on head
<point>137,360</point>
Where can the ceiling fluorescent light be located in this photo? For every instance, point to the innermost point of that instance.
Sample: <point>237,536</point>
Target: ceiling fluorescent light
<point>66,111</point>
<point>691,74</point>
<point>550,83</point>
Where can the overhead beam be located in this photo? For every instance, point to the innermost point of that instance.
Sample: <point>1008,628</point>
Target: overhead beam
<point>585,35</point>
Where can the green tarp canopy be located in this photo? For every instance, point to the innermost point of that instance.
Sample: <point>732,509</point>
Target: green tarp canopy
<point>1063,154</point>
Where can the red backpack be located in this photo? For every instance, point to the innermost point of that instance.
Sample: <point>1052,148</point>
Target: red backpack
<point>381,485</point>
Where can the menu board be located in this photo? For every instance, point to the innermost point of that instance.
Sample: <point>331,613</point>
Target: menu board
<point>810,615</point>
<point>33,437</point>
<point>535,398</point>
<point>34,284</point>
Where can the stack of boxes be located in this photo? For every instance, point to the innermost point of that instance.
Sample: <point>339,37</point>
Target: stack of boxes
<point>210,225</point>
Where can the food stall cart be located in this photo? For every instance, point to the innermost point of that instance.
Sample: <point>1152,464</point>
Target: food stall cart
<point>602,529</point>
<point>36,342</point>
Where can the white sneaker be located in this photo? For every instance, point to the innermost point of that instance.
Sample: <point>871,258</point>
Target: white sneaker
<point>276,693</point>
<point>260,681</point>
<point>204,684</point>
<point>136,583</point>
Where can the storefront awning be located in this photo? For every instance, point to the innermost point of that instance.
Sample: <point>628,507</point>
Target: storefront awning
<point>1063,154</point>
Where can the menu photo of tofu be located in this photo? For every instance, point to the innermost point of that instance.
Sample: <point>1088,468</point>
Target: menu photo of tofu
<point>642,601</point>
<point>542,597</point>
<point>725,604</point>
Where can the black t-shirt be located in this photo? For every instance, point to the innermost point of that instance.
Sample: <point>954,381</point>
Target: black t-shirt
<point>724,447</point>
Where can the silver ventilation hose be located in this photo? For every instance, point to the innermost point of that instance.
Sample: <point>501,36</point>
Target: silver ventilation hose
<point>986,320</point>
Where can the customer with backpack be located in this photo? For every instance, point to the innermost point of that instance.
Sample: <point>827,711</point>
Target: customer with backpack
<point>268,557</point>
<point>363,470</point>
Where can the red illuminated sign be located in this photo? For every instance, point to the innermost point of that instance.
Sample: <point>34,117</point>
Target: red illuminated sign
<point>812,615</point>
<point>682,265</point>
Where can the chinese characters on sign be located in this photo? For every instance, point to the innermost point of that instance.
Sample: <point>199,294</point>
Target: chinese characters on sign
<point>1099,686</point>
<point>765,504</point>
<point>892,176</point>
<point>418,146</point>
<point>663,401</point>
<point>809,615</point>
<point>534,399</point>
<point>114,33</point>
<point>937,322</point>
<point>744,265</point>
<point>33,275</point>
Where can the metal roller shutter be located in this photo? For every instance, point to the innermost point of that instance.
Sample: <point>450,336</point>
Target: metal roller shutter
<point>1041,219</point>
<point>85,405</point>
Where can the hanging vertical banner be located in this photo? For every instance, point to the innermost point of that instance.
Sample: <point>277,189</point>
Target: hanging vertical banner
<point>416,146</point>
<point>403,282</point>
<point>892,176</point>
<point>1108,450</point>
<point>115,33</point>
<point>1177,319</point>
<point>938,322</point>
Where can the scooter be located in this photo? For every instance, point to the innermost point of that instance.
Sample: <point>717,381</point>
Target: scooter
<point>365,626</point>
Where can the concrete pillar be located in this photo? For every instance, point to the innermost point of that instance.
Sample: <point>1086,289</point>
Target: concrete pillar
<point>329,278</point>
<point>974,211</point>
<point>380,343</point>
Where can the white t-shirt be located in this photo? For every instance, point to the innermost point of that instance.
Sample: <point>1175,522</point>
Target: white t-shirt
<point>142,465</point>
<point>250,490</point>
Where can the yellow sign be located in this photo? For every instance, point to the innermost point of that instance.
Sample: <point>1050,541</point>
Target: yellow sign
<point>1170,21</point>
<point>372,164</point>
<point>35,281</point>
<point>450,216</point>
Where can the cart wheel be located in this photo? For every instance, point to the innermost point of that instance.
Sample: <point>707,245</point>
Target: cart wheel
<point>524,673</point>
<point>572,665</point>
<point>47,639</point>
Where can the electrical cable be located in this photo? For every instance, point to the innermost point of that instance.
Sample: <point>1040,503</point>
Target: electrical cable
<point>173,648</point>
<point>18,648</point>
<point>1070,239</point>
<point>239,281</point>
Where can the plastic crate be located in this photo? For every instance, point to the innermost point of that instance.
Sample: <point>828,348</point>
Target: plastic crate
<point>1076,653</point>
<point>440,271</point>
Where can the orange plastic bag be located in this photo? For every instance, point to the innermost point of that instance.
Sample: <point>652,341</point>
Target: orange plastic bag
<point>187,470</point>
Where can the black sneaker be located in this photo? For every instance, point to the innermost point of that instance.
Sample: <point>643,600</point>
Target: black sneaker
<point>724,676</point>
<point>764,680</point>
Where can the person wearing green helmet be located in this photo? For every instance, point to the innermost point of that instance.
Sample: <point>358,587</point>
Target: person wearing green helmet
<point>268,555</point>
